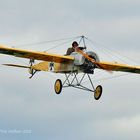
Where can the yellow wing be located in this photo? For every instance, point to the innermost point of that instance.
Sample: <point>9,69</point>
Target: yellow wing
<point>111,66</point>
<point>118,67</point>
<point>35,55</point>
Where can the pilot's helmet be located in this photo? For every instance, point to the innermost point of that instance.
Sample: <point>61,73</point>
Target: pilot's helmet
<point>75,44</point>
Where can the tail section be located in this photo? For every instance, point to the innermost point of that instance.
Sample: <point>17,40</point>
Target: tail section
<point>19,66</point>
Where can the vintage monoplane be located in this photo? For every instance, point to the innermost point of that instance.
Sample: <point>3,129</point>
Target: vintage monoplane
<point>79,61</point>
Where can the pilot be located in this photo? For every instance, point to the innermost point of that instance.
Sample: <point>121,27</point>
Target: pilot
<point>73,48</point>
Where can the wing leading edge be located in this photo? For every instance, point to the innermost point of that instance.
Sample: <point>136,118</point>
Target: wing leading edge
<point>44,56</point>
<point>118,67</point>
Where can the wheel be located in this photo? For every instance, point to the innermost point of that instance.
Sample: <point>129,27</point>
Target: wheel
<point>58,86</point>
<point>98,92</point>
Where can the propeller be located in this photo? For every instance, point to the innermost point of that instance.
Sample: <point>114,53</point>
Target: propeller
<point>98,64</point>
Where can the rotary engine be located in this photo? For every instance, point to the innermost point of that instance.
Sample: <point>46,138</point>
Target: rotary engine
<point>85,65</point>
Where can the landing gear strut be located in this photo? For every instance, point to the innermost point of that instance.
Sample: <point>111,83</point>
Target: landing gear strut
<point>78,83</point>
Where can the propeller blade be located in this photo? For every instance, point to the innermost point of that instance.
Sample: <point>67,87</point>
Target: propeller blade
<point>98,64</point>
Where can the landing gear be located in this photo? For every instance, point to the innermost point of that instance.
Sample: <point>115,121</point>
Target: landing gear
<point>58,86</point>
<point>98,92</point>
<point>72,80</point>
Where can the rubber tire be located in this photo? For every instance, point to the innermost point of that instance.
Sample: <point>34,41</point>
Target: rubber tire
<point>100,94</point>
<point>60,82</point>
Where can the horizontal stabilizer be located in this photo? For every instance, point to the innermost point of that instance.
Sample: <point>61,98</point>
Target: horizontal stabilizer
<point>13,65</point>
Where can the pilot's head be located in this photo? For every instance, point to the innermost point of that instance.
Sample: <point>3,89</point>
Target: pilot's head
<point>74,44</point>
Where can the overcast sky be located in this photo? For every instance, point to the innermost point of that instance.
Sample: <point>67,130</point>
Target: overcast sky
<point>29,108</point>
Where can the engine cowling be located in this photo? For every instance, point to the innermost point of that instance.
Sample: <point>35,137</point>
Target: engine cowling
<point>85,65</point>
<point>88,66</point>
<point>93,55</point>
<point>78,58</point>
